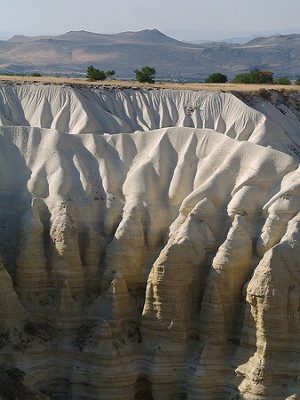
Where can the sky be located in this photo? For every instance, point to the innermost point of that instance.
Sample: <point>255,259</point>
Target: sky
<point>175,17</point>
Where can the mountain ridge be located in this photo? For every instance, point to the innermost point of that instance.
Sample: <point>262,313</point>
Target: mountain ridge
<point>71,52</point>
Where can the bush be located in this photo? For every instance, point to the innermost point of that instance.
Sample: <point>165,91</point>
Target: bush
<point>36,74</point>
<point>266,76</point>
<point>265,94</point>
<point>110,73</point>
<point>241,78</point>
<point>94,74</point>
<point>216,78</point>
<point>283,81</point>
<point>261,76</point>
<point>255,76</point>
<point>297,81</point>
<point>145,75</point>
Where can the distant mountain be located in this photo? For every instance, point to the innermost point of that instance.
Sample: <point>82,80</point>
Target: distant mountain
<point>199,36</point>
<point>145,36</point>
<point>234,40</point>
<point>291,41</point>
<point>72,52</point>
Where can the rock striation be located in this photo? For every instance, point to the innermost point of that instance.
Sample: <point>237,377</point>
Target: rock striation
<point>149,244</point>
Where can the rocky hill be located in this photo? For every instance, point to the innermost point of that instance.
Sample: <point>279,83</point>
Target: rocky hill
<point>72,52</point>
<point>149,243</point>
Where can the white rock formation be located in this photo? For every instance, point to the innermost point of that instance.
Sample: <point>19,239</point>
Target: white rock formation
<point>149,244</point>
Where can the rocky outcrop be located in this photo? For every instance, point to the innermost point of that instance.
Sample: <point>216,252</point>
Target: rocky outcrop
<point>161,264</point>
<point>104,109</point>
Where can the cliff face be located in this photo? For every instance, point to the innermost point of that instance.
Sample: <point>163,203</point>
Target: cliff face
<point>161,262</point>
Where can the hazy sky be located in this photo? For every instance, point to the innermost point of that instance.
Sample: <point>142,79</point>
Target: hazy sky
<point>32,17</point>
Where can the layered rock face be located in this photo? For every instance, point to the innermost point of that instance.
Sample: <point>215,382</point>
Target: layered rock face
<point>149,244</point>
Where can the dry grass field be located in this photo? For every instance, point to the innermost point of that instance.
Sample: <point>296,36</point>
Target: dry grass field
<point>226,87</point>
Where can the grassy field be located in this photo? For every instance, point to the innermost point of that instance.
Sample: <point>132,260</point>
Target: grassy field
<point>226,87</point>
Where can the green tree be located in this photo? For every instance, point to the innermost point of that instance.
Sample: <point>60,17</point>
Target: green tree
<point>94,74</point>
<point>36,74</point>
<point>255,76</point>
<point>216,78</point>
<point>241,78</point>
<point>267,76</point>
<point>145,75</point>
<point>110,73</point>
<point>297,81</point>
<point>283,81</point>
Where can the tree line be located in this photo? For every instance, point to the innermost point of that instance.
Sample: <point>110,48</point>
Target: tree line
<point>255,76</point>
<point>146,74</point>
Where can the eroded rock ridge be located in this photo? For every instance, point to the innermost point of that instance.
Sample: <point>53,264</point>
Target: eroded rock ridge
<point>149,244</point>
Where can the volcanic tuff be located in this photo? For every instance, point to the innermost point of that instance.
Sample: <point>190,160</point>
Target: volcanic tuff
<point>73,52</point>
<point>149,244</point>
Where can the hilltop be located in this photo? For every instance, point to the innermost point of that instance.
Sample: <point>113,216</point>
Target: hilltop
<point>72,52</point>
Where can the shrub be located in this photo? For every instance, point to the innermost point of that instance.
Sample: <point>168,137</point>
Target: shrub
<point>216,78</point>
<point>36,74</point>
<point>261,76</point>
<point>241,78</point>
<point>145,75</point>
<point>94,74</point>
<point>267,76</point>
<point>265,94</point>
<point>297,81</point>
<point>255,76</point>
<point>110,73</point>
<point>283,81</point>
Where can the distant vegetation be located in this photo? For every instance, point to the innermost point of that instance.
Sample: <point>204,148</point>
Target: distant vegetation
<point>145,75</point>
<point>110,73</point>
<point>255,76</point>
<point>94,74</point>
<point>283,81</point>
<point>216,78</point>
<point>12,74</point>
<point>265,94</point>
<point>262,77</point>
